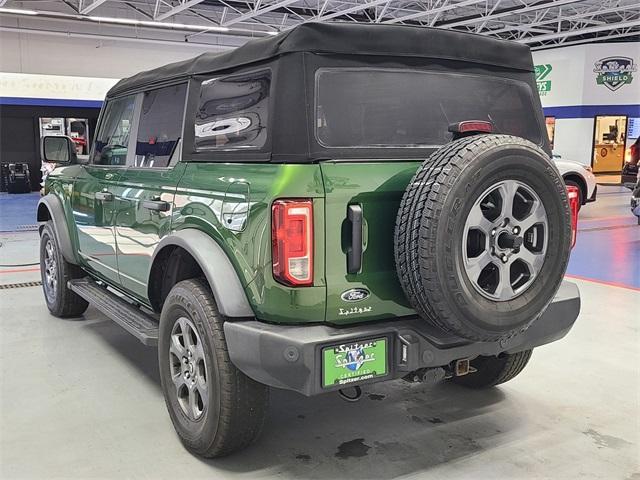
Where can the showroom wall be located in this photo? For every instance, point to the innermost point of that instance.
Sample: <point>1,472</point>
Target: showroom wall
<point>575,88</point>
<point>28,101</point>
<point>82,69</point>
<point>88,57</point>
<point>52,76</point>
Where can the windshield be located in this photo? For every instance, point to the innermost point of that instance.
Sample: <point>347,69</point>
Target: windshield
<point>362,107</point>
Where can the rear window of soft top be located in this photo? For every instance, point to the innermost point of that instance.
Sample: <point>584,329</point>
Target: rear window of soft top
<point>368,107</point>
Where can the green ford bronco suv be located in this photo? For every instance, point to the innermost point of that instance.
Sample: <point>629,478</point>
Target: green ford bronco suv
<point>333,206</point>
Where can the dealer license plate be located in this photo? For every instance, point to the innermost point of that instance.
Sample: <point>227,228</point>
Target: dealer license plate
<point>354,362</point>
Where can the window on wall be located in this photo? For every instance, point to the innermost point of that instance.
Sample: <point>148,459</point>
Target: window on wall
<point>112,140</point>
<point>608,143</point>
<point>160,126</point>
<point>232,112</point>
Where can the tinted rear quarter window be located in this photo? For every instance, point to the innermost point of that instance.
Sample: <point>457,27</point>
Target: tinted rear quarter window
<point>233,112</point>
<point>403,108</point>
<point>160,126</point>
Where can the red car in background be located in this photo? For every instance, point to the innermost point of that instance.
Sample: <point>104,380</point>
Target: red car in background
<point>630,169</point>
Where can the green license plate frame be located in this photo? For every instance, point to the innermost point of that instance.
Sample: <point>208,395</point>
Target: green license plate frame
<point>355,361</point>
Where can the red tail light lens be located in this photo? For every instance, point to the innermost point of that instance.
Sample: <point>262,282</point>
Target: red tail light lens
<point>471,126</point>
<point>292,241</point>
<point>574,205</point>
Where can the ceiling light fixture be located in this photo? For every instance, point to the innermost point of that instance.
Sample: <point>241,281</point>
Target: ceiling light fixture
<point>149,23</point>
<point>18,11</point>
<point>139,23</point>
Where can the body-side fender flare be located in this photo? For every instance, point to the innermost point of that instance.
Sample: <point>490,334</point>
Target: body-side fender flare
<point>220,273</point>
<point>52,204</point>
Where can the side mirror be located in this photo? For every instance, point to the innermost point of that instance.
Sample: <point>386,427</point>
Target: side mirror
<point>57,149</point>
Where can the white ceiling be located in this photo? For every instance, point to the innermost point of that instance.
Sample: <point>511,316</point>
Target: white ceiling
<point>228,23</point>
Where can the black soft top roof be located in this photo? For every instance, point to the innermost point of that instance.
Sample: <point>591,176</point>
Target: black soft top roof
<point>346,39</point>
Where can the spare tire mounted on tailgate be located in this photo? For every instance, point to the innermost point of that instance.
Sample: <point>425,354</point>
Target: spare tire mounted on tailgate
<point>483,236</point>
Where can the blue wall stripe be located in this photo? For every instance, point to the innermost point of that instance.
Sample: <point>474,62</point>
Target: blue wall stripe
<point>590,111</point>
<point>50,102</point>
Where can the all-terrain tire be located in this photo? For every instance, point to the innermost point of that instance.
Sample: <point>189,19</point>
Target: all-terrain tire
<point>429,235</point>
<point>492,371</point>
<point>55,272</point>
<point>234,414</point>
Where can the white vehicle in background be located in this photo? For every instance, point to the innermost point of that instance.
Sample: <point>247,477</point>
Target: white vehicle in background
<point>579,175</point>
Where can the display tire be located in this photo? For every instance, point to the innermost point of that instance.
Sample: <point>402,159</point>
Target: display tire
<point>234,412</point>
<point>55,273</point>
<point>429,235</point>
<point>492,371</point>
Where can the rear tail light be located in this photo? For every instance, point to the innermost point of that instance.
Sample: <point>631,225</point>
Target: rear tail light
<point>292,241</point>
<point>574,205</point>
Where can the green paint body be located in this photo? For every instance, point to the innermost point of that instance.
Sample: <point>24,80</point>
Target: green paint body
<point>231,202</point>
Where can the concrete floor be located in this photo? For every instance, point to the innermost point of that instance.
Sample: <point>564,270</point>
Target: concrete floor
<point>82,399</point>
<point>608,246</point>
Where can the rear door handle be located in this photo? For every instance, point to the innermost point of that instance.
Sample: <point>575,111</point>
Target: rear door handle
<point>156,204</point>
<point>104,196</point>
<point>354,251</point>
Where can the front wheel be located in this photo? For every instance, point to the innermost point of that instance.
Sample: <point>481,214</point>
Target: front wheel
<point>492,371</point>
<point>215,408</point>
<point>55,272</point>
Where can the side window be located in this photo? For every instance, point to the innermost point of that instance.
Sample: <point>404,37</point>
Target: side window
<point>232,112</point>
<point>112,140</point>
<point>160,126</point>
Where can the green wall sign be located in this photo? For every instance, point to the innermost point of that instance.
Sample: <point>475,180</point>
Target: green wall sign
<point>544,84</point>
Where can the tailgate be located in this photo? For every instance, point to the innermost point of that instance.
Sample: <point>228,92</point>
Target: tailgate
<point>368,289</point>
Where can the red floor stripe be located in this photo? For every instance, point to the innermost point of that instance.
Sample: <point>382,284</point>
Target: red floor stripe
<point>20,270</point>
<point>612,227</point>
<point>614,218</point>
<point>604,282</point>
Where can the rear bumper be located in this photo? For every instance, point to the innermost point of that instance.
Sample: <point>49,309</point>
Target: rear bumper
<point>289,357</point>
<point>593,196</point>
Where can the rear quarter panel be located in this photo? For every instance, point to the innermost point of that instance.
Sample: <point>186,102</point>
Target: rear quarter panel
<point>212,197</point>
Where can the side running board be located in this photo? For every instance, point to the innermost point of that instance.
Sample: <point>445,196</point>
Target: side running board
<point>132,319</point>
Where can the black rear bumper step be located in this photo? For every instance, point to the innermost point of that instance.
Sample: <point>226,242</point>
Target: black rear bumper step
<point>289,357</point>
<point>129,317</point>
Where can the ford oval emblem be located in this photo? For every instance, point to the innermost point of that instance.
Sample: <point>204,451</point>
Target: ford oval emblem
<point>355,295</point>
